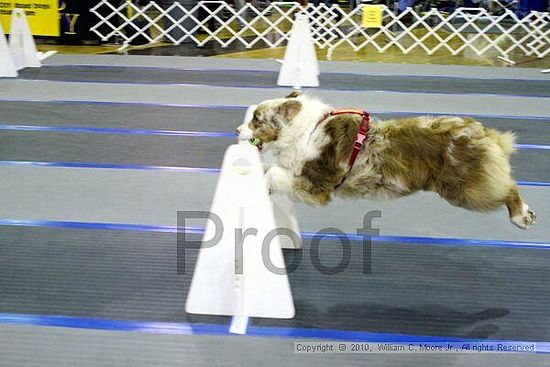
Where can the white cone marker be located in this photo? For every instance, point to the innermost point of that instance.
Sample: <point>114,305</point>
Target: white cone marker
<point>22,46</point>
<point>7,66</point>
<point>300,66</point>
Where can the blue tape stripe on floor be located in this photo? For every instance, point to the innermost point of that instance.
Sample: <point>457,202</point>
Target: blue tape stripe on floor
<point>473,115</point>
<point>242,107</point>
<point>109,166</point>
<point>533,183</point>
<point>261,331</point>
<point>101,130</point>
<point>126,103</point>
<point>532,146</point>
<point>438,241</point>
<point>119,325</point>
<point>97,130</point>
<point>97,226</point>
<point>157,168</point>
<point>204,134</point>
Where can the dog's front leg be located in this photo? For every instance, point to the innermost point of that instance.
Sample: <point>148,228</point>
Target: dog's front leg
<point>267,166</point>
<point>282,180</point>
<point>279,179</point>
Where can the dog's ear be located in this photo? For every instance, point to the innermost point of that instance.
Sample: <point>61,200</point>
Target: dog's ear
<point>294,94</point>
<point>289,109</point>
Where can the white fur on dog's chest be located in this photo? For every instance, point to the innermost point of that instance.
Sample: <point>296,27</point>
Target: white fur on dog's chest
<point>301,143</point>
<point>293,153</point>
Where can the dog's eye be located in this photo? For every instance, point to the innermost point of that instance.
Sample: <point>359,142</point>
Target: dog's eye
<point>255,123</point>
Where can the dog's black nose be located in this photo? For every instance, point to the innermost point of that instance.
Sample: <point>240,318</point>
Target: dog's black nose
<point>238,131</point>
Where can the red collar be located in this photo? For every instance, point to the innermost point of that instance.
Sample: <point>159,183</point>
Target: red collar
<point>361,133</point>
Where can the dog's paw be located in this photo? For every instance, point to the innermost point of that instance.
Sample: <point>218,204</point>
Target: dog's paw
<point>276,179</point>
<point>526,219</point>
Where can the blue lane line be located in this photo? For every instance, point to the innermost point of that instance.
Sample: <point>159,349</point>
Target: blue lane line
<point>159,168</point>
<point>473,115</point>
<point>98,226</point>
<point>242,107</point>
<point>109,166</point>
<point>124,104</point>
<point>176,328</point>
<point>101,130</point>
<point>533,183</point>
<point>118,325</point>
<point>532,146</point>
<point>437,241</point>
<point>204,134</point>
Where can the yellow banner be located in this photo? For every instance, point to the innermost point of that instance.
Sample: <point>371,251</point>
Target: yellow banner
<point>42,15</point>
<point>372,16</point>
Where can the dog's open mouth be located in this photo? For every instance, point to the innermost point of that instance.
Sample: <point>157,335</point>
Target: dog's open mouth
<point>258,143</point>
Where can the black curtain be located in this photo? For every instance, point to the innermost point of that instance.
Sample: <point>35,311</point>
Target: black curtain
<point>76,20</point>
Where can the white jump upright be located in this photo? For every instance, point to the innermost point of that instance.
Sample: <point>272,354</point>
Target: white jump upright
<point>285,218</point>
<point>300,67</point>
<point>242,275</point>
<point>22,46</point>
<point>283,206</point>
<point>7,66</point>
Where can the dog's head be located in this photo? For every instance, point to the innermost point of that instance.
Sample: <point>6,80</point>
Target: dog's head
<point>270,118</point>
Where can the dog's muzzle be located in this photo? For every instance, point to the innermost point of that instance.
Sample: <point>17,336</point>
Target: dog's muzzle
<point>244,133</point>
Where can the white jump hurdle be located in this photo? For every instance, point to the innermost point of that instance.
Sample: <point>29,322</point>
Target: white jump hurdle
<point>244,274</point>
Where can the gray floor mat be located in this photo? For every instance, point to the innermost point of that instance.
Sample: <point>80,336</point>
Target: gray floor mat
<point>120,116</point>
<point>415,289</point>
<point>115,149</point>
<point>147,197</point>
<point>172,151</point>
<point>24,346</point>
<point>368,68</point>
<point>335,81</point>
<point>381,101</point>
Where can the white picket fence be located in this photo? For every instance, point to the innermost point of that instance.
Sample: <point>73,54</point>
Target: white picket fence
<point>466,29</point>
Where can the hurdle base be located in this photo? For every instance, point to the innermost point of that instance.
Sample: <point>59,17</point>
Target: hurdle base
<point>285,218</point>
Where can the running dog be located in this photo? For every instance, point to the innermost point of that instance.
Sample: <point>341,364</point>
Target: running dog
<point>464,162</point>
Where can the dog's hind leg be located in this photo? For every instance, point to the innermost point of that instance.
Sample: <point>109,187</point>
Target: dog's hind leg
<point>520,213</point>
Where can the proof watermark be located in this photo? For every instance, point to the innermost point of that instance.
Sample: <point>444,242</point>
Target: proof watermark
<point>186,240</point>
<point>414,347</point>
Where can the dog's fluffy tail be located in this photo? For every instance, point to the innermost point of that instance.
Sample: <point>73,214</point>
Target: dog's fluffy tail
<point>506,141</point>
